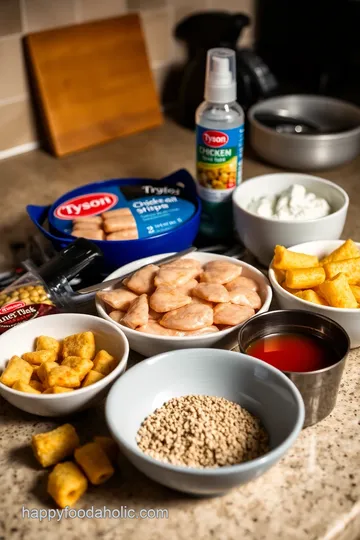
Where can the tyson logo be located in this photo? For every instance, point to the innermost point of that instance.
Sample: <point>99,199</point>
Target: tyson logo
<point>86,205</point>
<point>215,139</point>
<point>11,307</point>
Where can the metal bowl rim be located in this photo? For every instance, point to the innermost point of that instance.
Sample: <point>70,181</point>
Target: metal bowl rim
<point>302,312</point>
<point>311,138</point>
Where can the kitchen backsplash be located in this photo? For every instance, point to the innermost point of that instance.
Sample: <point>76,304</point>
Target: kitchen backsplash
<point>20,17</point>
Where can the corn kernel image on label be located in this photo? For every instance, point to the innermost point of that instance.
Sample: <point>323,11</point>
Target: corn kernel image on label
<point>218,162</point>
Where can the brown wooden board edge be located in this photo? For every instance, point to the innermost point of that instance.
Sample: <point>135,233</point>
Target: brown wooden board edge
<point>41,94</point>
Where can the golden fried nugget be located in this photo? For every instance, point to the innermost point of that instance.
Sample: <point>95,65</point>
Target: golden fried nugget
<point>82,344</point>
<point>63,376</point>
<point>37,385</point>
<point>92,377</point>
<point>53,446</point>
<point>57,390</point>
<point>39,357</point>
<point>23,387</point>
<point>285,259</point>
<point>66,484</point>
<point>348,250</point>
<point>104,363</point>
<point>291,291</point>
<point>280,275</point>
<point>94,462</point>
<point>349,267</point>
<point>82,366</point>
<point>109,446</point>
<point>356,292</point>
<point>44,370</point>
<point>338,293</point>
<point>311,296</point>
<point>304,278</point>
<point>17,369</point>
<point>47,343</point>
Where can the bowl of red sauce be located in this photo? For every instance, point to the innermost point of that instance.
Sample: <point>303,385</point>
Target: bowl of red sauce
<point>309,348</point>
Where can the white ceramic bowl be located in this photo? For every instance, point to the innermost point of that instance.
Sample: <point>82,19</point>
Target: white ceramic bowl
<point>257,386</point>
<point>349,319</point>
<point>149,345</point>
<point>21,339</point>
<point>260,235</point>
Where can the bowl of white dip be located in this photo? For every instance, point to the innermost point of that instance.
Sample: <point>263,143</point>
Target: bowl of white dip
<point>287,209</point>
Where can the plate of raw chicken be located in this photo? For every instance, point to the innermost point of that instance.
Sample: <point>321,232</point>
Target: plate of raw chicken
<point>196,301</point>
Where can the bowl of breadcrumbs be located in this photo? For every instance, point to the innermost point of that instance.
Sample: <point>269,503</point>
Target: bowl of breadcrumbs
<point>204,421</point>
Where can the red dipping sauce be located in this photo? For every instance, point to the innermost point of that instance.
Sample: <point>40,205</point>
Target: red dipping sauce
<point>293,352</point>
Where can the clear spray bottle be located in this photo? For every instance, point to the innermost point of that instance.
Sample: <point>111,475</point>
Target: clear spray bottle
<point>219,144</point>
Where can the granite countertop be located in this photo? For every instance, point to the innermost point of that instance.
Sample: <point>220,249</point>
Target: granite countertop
<point>312,494</point>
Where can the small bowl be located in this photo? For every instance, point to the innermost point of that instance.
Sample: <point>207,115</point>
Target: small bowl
<point>260,235</point>
<point>319,389</point>
<point>149,345</point>
<point>21,339</point>
<point>258,387</point>
<point>349,319</point>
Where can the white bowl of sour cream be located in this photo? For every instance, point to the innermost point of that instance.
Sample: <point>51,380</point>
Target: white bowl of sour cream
<point>287,209</point>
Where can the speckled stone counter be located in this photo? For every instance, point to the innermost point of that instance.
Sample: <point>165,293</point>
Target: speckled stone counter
<point>312,494</point>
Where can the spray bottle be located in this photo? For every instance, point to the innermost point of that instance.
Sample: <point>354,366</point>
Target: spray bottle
<point>219,144</point>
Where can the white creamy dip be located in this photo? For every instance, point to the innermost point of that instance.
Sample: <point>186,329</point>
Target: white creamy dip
<point>292,204</point>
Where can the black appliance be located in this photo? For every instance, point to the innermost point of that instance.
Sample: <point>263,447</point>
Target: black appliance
<point>312,46</point>
<point>203,31</point>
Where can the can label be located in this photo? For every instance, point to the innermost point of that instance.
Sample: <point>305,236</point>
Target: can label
<point>155,206</point>
<point>218,162</point>
<point>17,312</point>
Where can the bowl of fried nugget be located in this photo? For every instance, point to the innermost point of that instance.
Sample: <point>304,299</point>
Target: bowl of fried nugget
<point>321,276</point>
<point>199,300</point>
<point>60,364</point>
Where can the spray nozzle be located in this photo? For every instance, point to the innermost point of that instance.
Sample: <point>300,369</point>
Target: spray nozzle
<point>220,76</point>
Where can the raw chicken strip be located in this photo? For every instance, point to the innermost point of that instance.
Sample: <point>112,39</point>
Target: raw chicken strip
<point>188,287</point>
<point>86,225</point>
<point>138,312</point>
<point>243,282</point>
<point>118,298</point>
<point>191,264</point>
<point>93,219</point>
<point>188,318</point>
<point>142,282</point>
<point>119,223</point>
<point>154,315</point>
<point>245,297</point>
<point>126,234</point>
<point>116,213</point>
<point>117,315</point>
<point>196,300</point>
<point>205,330</point>
<point>184,263</point>
<point>231,314</point>
<point>152,327</point>
<point>165,299</point>
<point>212,292</point>
<point>173,277</point>
<point>91,234</point>
<point>220,272</point>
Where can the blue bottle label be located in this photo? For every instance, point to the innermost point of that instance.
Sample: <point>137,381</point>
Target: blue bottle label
<point>219,157</point>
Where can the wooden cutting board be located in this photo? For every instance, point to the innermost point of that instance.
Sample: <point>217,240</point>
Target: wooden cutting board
<point>93,82</point>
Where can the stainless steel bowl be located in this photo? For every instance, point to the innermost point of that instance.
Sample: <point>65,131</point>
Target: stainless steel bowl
<point>319,389</point>
<point>337,140</point>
